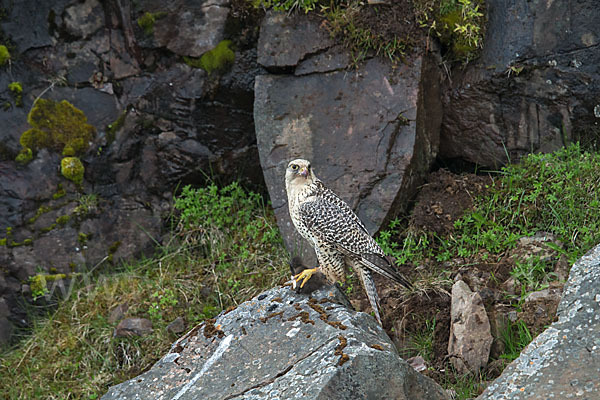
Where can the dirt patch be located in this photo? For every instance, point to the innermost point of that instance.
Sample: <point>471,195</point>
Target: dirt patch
<point>393,20</point>
<point>445,198</point>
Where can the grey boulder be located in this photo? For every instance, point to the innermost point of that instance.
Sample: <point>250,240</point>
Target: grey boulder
<point>283,345</point>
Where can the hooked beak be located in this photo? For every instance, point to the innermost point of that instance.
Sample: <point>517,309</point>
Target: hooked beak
<point>303,172</point>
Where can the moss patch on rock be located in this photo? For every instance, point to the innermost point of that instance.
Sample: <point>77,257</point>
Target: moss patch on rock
<point>4,55</point>
<point>72,169</point>
<point>17,91</point>
<point>214,60</point>
<point>38,283</point>
<point>147,21</point>
<point>59,126</point>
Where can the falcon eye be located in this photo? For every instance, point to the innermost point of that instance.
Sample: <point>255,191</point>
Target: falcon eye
<point>294,167</point>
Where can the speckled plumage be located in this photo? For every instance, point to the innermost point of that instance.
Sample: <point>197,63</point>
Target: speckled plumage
<point>336,233</point>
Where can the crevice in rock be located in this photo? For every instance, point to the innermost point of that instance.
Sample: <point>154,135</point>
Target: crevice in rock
<point>279,374</point>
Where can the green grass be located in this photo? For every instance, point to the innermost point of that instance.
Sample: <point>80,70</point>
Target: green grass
<point>557,193</point>
<point>225,249</point>
<point>515,337</point>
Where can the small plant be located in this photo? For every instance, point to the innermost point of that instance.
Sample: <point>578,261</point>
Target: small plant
<point>533,273</point>
<point>161,301</point>
<point>515,337</point>
<point>86,204</point>
<point>422,341</point>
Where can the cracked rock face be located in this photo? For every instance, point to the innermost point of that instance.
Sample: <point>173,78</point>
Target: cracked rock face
<point>365,131</point>
<point>563,361</point>
<point>534,88</point>
<point>283,345</point>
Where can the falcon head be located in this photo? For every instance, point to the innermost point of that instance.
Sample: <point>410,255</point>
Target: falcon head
<point>298,173</point>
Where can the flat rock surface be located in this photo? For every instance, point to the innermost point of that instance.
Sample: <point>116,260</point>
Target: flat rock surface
<point>563,361</point>
<point>283,345</point>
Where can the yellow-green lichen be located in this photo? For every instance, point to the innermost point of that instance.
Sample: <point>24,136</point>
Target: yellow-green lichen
<point>17,91</point>
<point>214,60</point>
<point>48,228</point>
<point>82,238</point>
<point>60,192</point>
<point>4,55</point>
<point>112,249</point>
<point>58,126</point>
<point>111,129</point>
<point>63,219</point>
<point>38,213</point>
<point>72,169</point>
<point>147,21</point>
<point>3,242</point>
<point>24,156</point>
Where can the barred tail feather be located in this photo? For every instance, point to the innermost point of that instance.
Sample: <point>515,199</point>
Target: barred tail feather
<point>381,265</point>
<point>369,286</point>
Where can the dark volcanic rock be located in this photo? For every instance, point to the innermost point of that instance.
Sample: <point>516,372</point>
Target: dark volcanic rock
<point>188,28</point>
<point>282,345</point>
<point>159,124</point>
<point>370,134</point>
<point>563,361</point>
<point>285,39</point>
<point>534,88</point>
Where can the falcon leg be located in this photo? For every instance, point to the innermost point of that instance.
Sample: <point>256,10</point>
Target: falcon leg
<point>305,276</point>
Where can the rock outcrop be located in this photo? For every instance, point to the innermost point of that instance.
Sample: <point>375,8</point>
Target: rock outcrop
<point>370,133</point>
<point>534,88</point>
<point>159,123</point>
<point>283,345</point>
<point>563,361</point>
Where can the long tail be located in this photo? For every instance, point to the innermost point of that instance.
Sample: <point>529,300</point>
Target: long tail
<point>383,266</point>
<point>369,286</point>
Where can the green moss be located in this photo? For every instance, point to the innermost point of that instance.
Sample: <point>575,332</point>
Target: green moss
<point>24,156</point>
<point>38,213</point>
<point>72,169</point>
<point>59,126</point>
<point>48,228</point>
<point>17,91</point>
<point>3,242</point>
<point>63,219</point>
<point>38,285</point>
<point>147,21</point>
<point>111,129</point>
<point>61,192</point>
<point>112,250</point>
<point>39,282</point>
<point>4,55</point>
<point>82,238</point>
<point>216,59</point>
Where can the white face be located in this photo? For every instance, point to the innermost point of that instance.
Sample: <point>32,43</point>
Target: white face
<point>298,169</point>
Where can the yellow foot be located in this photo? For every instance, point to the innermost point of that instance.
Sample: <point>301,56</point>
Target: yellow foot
<point>305,276</point>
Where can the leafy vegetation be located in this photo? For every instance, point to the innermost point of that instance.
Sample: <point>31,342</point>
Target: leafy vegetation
<point>557,193</point>
<point>225,249</point>
<point>459,25</point>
